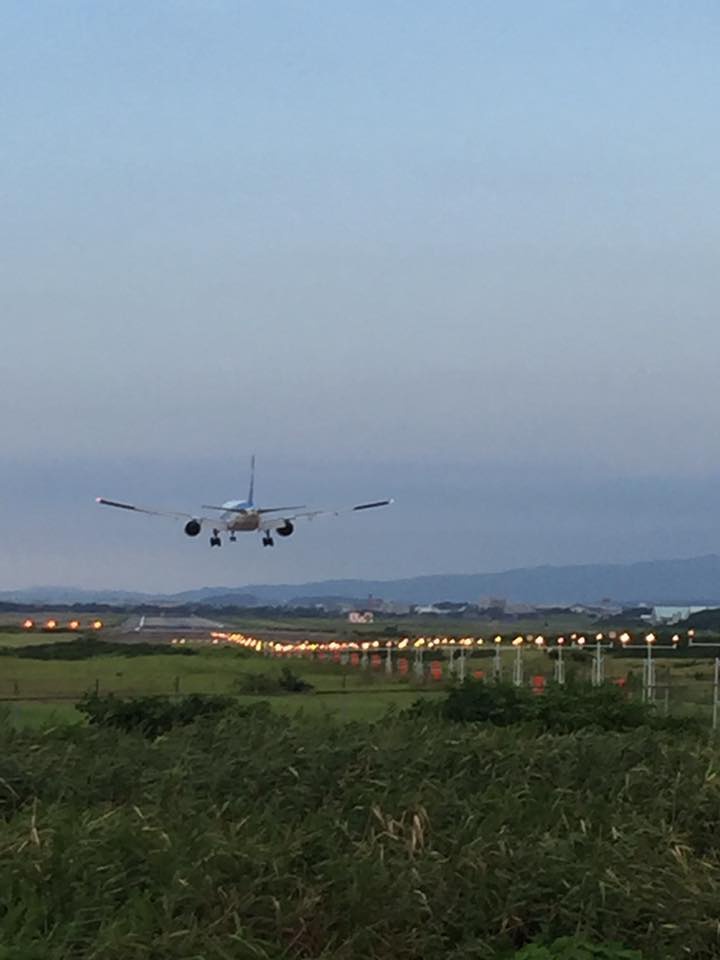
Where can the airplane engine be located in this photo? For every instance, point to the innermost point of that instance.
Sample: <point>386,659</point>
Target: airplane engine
<point>285,530</point>
<point>192,528</point>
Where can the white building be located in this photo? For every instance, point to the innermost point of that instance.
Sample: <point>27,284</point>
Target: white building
<point>670,615</point>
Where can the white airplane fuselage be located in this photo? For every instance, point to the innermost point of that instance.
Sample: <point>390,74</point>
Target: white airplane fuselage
<point>239,515</point>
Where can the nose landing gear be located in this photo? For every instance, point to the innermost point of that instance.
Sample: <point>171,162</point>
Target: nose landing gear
<point>215,540</point>
<point>268,541</point>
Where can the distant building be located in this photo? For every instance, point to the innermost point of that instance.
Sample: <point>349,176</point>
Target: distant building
<point>355,616</point>
<point>399,609</point>
<point>492,603</point>
<point>670,615</point>
<point>448,606</point>
<point>604,609</point>
<point>374,603</point>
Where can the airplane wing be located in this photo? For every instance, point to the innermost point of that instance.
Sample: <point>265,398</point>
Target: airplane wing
<point>155,513</point>
<point>273,523</point>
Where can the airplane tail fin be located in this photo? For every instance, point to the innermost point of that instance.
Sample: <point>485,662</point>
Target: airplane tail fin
<point>251,491</point>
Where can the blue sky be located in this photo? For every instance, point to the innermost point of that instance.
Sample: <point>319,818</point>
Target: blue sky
<point>464,254</point>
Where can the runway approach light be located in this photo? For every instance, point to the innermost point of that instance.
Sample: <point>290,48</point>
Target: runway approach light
<point>624,638</point>
<point>51,624</point>
<point>97,625</point>
<point>28,624</point>
<point>74,624</point>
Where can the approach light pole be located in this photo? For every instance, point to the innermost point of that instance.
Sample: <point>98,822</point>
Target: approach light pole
<point>560,663</point>
<point>497,662</point>
<point>598,668</point>
<point>649,678</point>
<point>518,665</point>
<point>419,669</point>
<point>461,665</point>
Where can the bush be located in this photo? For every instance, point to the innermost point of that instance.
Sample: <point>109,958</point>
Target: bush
<point>263,683</point>
<point>153,716</point>
<point>291,683</point>
<point>499,704</point>
<point>269,684</point>
<point>557,710</point>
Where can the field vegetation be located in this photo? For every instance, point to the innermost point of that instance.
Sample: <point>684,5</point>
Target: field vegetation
<point>238,832</point>
<point>38,677</point>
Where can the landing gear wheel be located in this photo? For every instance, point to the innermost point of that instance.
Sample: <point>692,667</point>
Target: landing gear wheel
<point>233,538</point>
<point>268,541</point>
<point>215,541</point>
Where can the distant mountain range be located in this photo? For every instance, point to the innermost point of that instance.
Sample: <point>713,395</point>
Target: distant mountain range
<point>689,581</point>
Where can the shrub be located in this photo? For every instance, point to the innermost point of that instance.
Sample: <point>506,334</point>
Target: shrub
<point>291,683</point>
<point>269,684</point>
<point>557,710</point>
<point>499,704</point>
<point>153,716</point>
<point>263,683</point>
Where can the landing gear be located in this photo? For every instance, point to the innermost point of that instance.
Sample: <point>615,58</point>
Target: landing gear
<point>215,540</point>
<point>233,537</point>
<point>268,541</point>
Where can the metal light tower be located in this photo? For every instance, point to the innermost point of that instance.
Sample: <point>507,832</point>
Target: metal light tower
<point>451,661</point>
<point>598,665</point>
<point>419,670</point>
<point>649,671</point>
<point>560,663</point>
<point>497,662</point>
<point>518,665</point>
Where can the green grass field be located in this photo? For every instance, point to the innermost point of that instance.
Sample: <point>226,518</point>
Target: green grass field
<point>17,638</point>
<point>332,708</point>
<point>43,690</point>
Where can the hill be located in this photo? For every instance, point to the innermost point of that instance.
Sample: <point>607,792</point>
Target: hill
<point>680,581</point>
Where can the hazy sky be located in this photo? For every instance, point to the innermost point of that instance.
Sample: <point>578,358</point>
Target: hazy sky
<point>462,253</point>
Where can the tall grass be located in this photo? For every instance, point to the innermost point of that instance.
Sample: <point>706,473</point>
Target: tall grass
<point>258,837</point>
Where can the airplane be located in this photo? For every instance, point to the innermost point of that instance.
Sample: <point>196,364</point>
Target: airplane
<point>244,516</point>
